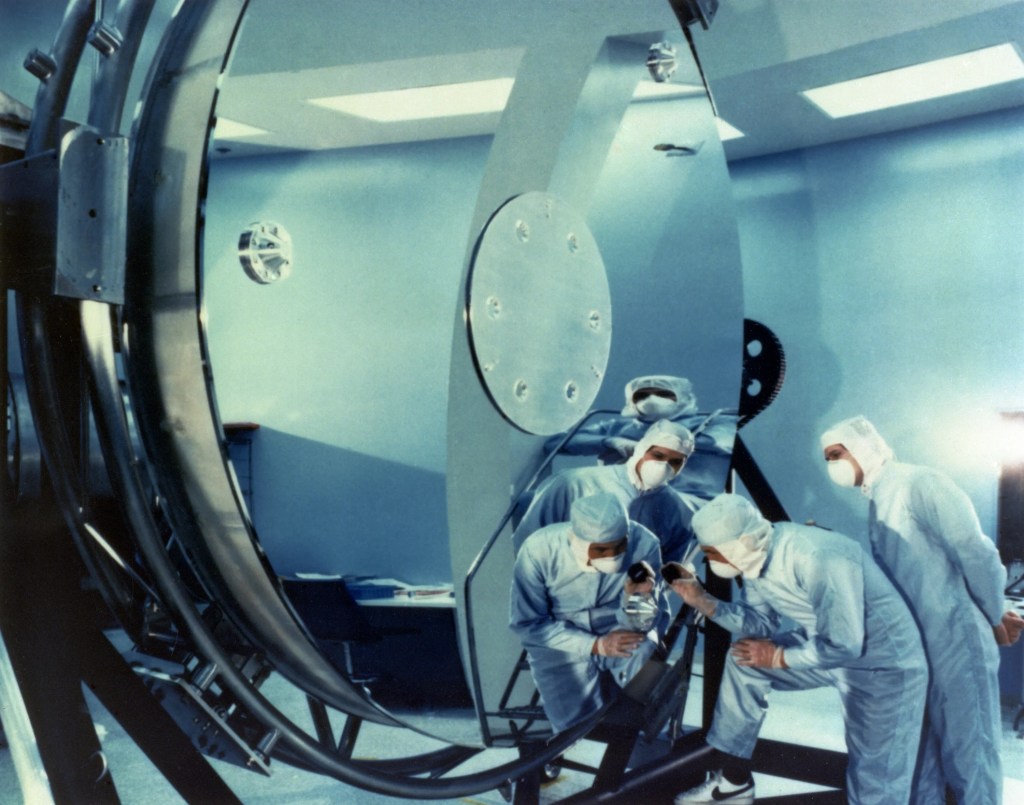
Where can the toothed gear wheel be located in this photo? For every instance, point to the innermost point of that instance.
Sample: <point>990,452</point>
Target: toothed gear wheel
<point>764,369</point>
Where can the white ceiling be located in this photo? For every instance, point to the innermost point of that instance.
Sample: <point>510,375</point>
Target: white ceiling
<point>757,55</point>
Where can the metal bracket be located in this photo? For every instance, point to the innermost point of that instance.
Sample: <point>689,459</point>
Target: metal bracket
<point>64,218</point>
<point>205,722</point>
<point>92,212</point>
<point>690,11</point>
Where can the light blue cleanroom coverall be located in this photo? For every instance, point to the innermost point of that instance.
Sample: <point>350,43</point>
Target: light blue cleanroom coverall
<point>706,470</point>
<point>925,535</point>
<point>558,610</point>
<point>663,511</point>
<point>856,634</point>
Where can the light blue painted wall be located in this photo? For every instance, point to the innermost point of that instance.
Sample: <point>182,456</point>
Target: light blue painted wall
<point>351,400</point>
<point>892,269</point>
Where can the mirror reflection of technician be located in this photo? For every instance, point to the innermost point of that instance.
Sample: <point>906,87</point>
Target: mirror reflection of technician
<point>854,633</point>
<point>641,485</point>
<point>569,590</point>
<point>650,398</point>
<point>925,534</point>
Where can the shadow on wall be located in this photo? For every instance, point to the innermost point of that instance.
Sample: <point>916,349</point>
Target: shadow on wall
<point>324,509</point>
<point>890,269</point>
<point>779,238</point>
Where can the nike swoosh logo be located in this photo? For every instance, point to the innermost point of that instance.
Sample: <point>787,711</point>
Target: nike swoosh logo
<point>718,795</point>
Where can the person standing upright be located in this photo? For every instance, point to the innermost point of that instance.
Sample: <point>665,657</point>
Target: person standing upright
<point>925,535</point>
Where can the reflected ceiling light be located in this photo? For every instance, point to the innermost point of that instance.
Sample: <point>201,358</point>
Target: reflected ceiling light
<point>648,90</point>
<point>727,131</point>
<point>919,82</point>
<point>228,129</point>
<point>423,103</point>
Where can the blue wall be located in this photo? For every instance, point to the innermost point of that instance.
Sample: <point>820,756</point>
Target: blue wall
<point>891,269</point>
<point>324,373</point>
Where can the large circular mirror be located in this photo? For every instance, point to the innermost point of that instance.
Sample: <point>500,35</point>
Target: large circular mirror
<point>330,444</point>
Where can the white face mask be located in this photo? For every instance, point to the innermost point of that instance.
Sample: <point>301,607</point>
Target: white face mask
<point>654,407</point>
<point>723,569</point>
<point>609,564</point>
<point>655,473</point>
<point>842,472</point>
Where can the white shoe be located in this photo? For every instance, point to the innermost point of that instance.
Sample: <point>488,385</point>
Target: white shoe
<point>717,789</point>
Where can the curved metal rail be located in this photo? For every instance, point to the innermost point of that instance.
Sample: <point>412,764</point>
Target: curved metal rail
<point>96,322</point>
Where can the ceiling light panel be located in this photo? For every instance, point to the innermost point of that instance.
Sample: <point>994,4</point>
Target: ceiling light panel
<point>424,103</point>
<point>727,131</point>
<point>227,129</point>
<point>651,90</point>
<point>919,82</point>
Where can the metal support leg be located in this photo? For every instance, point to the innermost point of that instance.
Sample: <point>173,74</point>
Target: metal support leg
<point>50,627</point>
<point>526,790</point>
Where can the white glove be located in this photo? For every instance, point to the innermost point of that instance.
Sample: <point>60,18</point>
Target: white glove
<point>755,653</point>
<point>1009,629</point>
<point>619,643</point>
<point>688,587</point>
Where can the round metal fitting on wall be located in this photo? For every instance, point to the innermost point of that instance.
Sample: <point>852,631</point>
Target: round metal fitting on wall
<point>540,314</point>
<point>265,252</point>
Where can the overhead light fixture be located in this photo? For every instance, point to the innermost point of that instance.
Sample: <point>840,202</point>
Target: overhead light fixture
<point>228,129</point>
<point>727,131</point>
<point>650,90</point>
<point>919,82</point>
<point>424,103</point>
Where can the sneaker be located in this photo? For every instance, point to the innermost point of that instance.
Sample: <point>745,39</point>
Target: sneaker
<point>717,789</point>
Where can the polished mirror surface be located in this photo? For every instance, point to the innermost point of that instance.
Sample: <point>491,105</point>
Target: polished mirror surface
<point>371,460</point>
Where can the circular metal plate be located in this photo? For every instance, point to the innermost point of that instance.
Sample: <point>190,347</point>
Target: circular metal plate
<point>540,313</point>
<point>265,252</point>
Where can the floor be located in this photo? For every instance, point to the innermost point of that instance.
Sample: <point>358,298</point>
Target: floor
<point>808,717</point>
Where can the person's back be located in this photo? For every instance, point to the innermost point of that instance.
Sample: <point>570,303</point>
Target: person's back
<point>854,633</point>
<point>882,620</point>
<point>932,555</point>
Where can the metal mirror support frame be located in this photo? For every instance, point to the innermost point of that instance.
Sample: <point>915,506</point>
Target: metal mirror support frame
<point>556,138</point>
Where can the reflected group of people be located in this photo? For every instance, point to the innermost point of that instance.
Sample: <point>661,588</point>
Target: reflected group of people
<point>907,632</point>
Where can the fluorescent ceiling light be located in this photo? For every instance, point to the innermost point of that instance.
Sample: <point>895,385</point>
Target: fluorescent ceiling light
<point>727,131</point>
<point>227,129</point>
<point>919,82</point>
<point>423,103</point>
<point>646,90</point>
